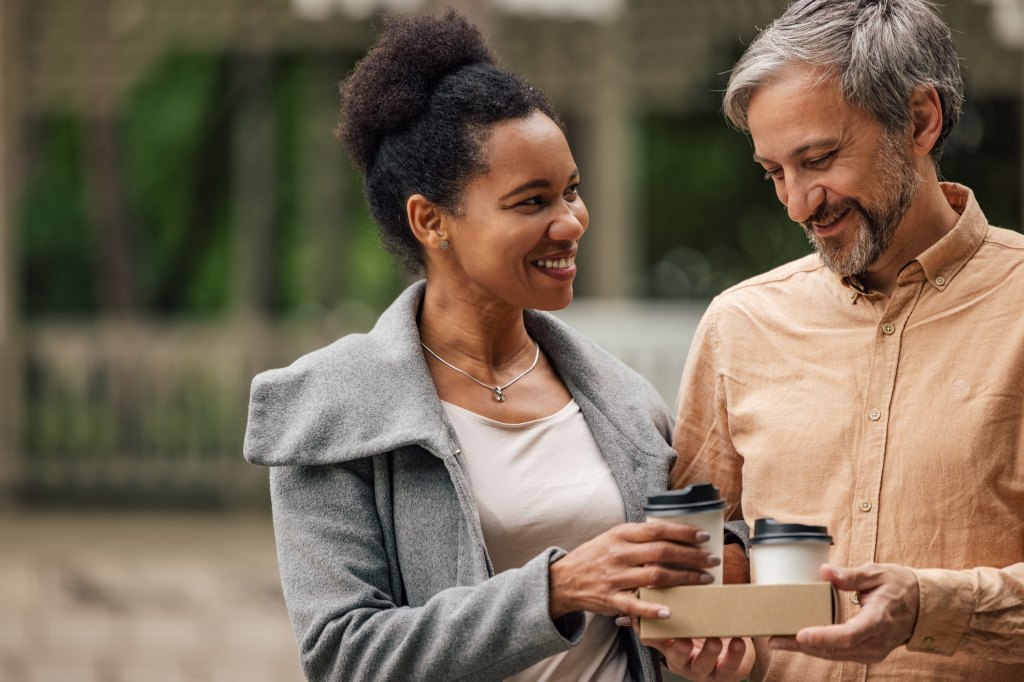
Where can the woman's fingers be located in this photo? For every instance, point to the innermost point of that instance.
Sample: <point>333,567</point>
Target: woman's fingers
<point>627,604</point>
<point>707,660</point>
<point>731,660</point>
<point>665,552</point>
<point>602,571</point>
<point>676,651</point>
<point>655,529</point>
<point>703,664</point>
<point>657,575</point>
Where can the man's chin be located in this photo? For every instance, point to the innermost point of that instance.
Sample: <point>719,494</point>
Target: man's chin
<point>838,260</point>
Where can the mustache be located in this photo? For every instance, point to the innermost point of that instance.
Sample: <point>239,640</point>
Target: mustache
<point>826,213</point>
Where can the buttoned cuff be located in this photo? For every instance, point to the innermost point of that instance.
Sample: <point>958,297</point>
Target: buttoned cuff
<point>947,603</point>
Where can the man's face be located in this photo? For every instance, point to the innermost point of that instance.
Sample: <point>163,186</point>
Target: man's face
<point>839,174</point>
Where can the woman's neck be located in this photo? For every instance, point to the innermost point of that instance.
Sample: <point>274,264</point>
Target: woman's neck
<point>488,337</point>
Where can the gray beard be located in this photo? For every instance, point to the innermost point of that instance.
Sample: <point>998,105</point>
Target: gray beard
<point>877,224</point>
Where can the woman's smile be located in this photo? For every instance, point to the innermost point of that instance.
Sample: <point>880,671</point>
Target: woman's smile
<point>561,268</point>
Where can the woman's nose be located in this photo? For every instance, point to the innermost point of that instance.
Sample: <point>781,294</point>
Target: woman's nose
<point>570,224</point>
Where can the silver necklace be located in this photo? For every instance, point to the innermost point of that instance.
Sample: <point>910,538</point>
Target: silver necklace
<point>499,394</point>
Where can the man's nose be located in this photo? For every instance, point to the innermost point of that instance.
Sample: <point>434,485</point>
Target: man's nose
<point>802,200</point>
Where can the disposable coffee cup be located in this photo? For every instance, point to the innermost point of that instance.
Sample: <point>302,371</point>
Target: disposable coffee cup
<point>698,505</point>
<point>788,553</point>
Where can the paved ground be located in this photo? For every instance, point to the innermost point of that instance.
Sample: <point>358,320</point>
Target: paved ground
<point>142,598</point>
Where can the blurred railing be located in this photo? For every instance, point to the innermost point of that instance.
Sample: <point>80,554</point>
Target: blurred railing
<point>153,414</point>
<point>145,414</point>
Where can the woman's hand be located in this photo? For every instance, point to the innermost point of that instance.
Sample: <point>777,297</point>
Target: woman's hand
<point>707,660</point>
<point>603,574</point>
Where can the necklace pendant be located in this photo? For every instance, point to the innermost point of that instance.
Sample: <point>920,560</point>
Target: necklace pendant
<point>498,395</point>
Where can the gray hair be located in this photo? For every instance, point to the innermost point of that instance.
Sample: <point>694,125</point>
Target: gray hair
<point>879,51</point>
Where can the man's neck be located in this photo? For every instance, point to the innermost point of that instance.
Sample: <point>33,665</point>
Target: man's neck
<point>929,219</point>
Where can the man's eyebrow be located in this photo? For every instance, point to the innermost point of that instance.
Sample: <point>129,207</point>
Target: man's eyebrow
<point>813,144</point>
<point>539,183</point>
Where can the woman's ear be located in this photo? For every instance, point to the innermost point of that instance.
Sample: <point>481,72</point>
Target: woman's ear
<point>926,118</point>
<point>426,220</point>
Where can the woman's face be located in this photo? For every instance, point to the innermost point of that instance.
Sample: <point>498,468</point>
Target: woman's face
<point>515,235</point>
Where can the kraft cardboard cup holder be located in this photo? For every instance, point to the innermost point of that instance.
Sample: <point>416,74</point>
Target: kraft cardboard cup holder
<point>740,610</point>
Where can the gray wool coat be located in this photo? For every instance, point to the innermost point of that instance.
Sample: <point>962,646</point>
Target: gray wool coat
<point>382,558</point>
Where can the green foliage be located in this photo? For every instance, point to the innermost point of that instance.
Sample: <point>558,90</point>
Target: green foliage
<point>712,220</point>
<point>294,269</point>
<point>707,217</point>
<point>175,137</point>
<point>176,163</point>
<point>983,152</point>
<point>56,258</point>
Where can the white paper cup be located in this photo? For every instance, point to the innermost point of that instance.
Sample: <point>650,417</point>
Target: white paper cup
<point>696,505</point>
<point>785,554</point>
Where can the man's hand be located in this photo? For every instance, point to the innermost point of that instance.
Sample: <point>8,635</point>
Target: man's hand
<point>889,600</point>
<point>707,660</point>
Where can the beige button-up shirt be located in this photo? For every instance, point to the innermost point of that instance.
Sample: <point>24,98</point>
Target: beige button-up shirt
<point>896,422</point>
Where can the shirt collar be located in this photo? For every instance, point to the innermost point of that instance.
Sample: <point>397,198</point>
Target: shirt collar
<point>944,259</point>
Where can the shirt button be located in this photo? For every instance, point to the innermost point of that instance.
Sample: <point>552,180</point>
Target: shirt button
<point>927,643</point>
<point>888,328</point>
<point>875,415</point>
<point>940,280</point>
<point>865,506</point>
<point>854,597</point>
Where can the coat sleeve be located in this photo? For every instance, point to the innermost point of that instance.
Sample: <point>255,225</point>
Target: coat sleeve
<point>351,626</point>
<point>978,611</point>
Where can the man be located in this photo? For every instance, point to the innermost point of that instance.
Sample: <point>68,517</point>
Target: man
<point>877,386</point>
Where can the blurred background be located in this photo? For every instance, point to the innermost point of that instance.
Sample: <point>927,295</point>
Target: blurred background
<point>175,217</point>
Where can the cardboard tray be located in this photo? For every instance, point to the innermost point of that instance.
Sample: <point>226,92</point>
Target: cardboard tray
<point>740,610</point>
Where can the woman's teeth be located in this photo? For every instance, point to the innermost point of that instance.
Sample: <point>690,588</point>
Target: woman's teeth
<point>560,263</point>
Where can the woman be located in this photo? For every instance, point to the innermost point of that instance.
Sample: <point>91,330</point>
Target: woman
<point>451,491</point>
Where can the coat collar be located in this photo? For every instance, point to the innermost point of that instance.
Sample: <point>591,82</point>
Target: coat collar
<point>367,394</point>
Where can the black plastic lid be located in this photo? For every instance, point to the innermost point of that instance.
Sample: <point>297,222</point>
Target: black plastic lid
<point>770,531</point>
<point>698,497</point>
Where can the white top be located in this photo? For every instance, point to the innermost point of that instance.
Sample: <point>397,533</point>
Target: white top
<point>541,484</point>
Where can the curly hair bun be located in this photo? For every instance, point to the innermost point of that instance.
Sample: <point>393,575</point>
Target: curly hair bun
<point>391,86</point>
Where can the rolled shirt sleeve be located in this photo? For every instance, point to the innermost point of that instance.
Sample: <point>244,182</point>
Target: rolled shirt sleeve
<point>978,611</point>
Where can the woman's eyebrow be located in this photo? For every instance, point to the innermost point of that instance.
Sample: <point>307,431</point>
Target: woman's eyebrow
<point>536,184</point>
<point>532,184</point>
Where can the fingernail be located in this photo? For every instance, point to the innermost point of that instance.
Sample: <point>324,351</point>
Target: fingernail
<point>663,614</point>
<point>702,536</point>
<point>707,578</point>
<point>714,560</point>
<point>623,621</point>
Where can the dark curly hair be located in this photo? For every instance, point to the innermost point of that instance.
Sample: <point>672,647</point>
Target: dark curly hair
<point>414,115</point>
